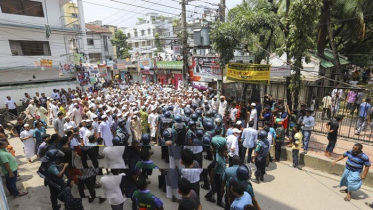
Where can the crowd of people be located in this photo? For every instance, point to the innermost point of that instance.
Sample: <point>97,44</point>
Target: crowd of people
<point>129,119</point>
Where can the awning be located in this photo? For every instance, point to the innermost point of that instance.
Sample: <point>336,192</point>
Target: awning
<point>329,58</point>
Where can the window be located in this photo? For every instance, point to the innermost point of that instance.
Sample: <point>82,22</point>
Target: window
<point>143,44</point>
<point>149,43</point>
<point>136,44</point>
<point>142,32</point>
<point>95,56</point>
<point>29,48</point>
<point>128,35</point>
<point>74,15</point>
<point>22,7</point>
<point>130,45</point>
<point>90,42</point>
<point>106,48</point>
<point>149,31</point>
<point>76,26</point>
<point>135,33</point>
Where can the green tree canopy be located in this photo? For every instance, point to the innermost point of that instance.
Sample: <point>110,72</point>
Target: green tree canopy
<point>120,41</point>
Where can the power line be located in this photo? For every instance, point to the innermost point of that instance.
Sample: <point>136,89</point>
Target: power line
<point>142,7</point>
<point>117,12</point>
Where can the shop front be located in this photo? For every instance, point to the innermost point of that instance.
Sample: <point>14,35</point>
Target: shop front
<point>204,72</point>
<point>170,72</point>
<point>148,67</point>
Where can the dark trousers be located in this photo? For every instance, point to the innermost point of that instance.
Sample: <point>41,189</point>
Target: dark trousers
<point>327,110</point>
<point>90,184</point>
<point>295,153</point>
<point>195,187</point>
<point>117,207</point>
<point>260,168</point>
<point>240,151</point>
<point>278,150</point>
<point>198,158</point>
<point>331,146</point>
<point>92,153</point>
<point>216,188</point>
<point>10,183</point>
<point>14,112</point>
<point>164,153</point>
<point>208,151</point>
<point>249,159</point>
<point>54,195</point>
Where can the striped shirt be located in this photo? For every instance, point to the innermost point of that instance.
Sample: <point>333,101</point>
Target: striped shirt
<point>194,149</point>
<point>356,163</point>
<point>191,174</point>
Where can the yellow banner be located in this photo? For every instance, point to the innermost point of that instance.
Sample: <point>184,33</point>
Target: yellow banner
<point>46,63</point>
<point>249,73</point>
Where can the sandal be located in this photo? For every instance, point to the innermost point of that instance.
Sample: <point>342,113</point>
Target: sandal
<point>343,191</point>
<point>369,204</point>
<point>347,199</point>
<point>21,194</point>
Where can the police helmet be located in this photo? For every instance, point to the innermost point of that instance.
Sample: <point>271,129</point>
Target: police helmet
<point>117,141</point>
<point>243,172</point>
<point>52,155</point>
<point>177,118</point>
<point>167,114</point>
<point>206,140</point>
<point>214,112</point>
<point>194,117</point>
<point>208,114</point>
<point>187,112</point>
<point>218,120</point>
<point>262,134</point>
<point>170,108</point>
<point>199,112</point>
<point>218,116</point>
<point>191,122</point>
<point>200,133</point>
<point>209,126</point>
<point>164,110</point>
<point>166,135</point>
<point>145,139</point>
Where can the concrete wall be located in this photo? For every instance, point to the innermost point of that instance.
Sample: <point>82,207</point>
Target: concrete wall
<point>18,92</point>
<point>51,10</point>
<point>58,46</point>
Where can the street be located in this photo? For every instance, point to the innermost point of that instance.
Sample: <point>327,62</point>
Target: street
<point>283,188</point>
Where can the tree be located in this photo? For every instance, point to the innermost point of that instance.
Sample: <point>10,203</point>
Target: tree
<point>303,16</point>
<point>158,43</point>
<point>120,42</point>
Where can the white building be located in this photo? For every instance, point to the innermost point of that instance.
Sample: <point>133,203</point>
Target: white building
<point>99,44</point>
<point>23,33</point>
<point>141,36</point>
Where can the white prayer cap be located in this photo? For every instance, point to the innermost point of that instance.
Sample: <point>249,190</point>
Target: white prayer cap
<point>26,125</point>
<point>253,104</point>
<point>104,116</point>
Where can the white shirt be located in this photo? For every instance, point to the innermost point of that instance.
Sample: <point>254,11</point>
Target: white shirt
<point>195,149</point>
<point>87,134</point>
<point>191,174</point>
<point>111,188</point>
<point>67,124</point>
<point>232,143</point>
<point>10,104</point>
<point>215,104</point>
<point>31,108</point>
<point>254,117</point>
<point>113,156</point>
<point>222,107</point>
<point>152,120</point>
<point>105,131</point>
<point>233,114</point>
<point>249,137</point>
<point>54,110</point>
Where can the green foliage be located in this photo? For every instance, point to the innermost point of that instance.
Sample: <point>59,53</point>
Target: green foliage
<point>161,18</point>
<point>120,41</point>
<point>175,22</point>
<point>157,43</point>
<point>141,19</point>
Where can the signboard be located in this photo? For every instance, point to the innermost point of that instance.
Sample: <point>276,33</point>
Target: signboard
<point>102,68</point>
<point>93,69</point>
<point>170,65</point>
<point>176,48</point>
<point>147,63</point>
<point>205,67</point>
<point>248,73</point>
<point>46,63</point>
<point>201,85</point>
<point>121,66</point>
<point>103,73</point>
<point>92,80</point>
<point>78,58</point>
<point>280,71</point>
<point>146,71</point>
<point>83,78</point>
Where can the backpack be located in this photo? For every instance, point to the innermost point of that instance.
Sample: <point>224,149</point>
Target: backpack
<point>123,135</point>
<point>181,131</point>
<point>264,150</point>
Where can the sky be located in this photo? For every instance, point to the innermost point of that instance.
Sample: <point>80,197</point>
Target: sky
<point>112,12</point>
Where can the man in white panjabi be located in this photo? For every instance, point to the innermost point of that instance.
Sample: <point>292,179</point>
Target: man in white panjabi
<point>26,137</point>
<point>75,115</point>
<point>254,116</point>
<point>104,131</point>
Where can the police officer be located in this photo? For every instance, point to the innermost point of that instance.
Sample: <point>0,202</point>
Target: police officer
<point>180,128</point>
<point>53,174</point>
<point>228,174</point>
<point>186,117</point>
<point>219,125</point>
<point>243,175</point>
<point>194,117</point>
<point>122,132</point>
<point>208,118</point>
<point>260,156</point>
<point>209,128</point>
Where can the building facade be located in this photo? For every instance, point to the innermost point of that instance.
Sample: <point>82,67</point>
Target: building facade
<point>141,37</point>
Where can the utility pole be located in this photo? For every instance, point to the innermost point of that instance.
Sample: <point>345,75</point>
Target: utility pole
<point>222,19</point>
<point>185,43</point>
<point>82,27</point>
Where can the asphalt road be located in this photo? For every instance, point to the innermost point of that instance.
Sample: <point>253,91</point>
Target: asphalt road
<point>284,188</point>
